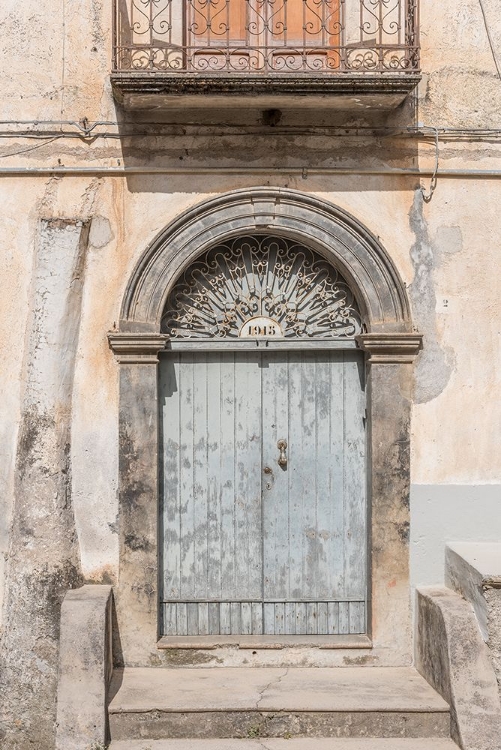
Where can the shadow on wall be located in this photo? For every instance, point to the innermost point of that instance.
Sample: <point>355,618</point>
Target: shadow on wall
<point>266,147</point>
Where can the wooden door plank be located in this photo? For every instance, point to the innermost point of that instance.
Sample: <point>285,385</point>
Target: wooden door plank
<point>357,617</point>
<point>201,438</point>
<point>276,563</point>
<point>335,457</point>
<point>227,478</point>
<point>186,509</point>
<point>323,621</point>
<point>312,618</point>
<point>300,618</point>
<point>203,618</point>
<point>307,476</point>
<point>333,617</point>
<point>247,510</point>
<point>171,502</point>
<point>328,458</point>
<point>344,617</point>
<point>214,622</point>
<point>217,369</point>
<point>246,618</point>
<point>257,618</point>
<point>225,618</point>
<point>355,546</point>
<point>294,485</point>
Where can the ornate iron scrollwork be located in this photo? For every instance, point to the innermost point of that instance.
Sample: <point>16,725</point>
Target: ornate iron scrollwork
<point>285,37</point>
<point>261,276</point>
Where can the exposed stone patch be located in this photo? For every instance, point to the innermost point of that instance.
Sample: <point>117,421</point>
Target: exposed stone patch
<point>43,556</point>
<point>100,232</point>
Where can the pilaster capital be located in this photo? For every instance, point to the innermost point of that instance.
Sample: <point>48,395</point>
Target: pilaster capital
<point>390,348</point>
<point>137,348</point>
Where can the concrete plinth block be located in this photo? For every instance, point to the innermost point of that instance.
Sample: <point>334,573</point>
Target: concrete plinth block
<point>84,668</point>
<point>474,571</point>
<point>454,659</point>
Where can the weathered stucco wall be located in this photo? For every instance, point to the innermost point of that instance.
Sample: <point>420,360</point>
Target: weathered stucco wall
<point>448,262</point>
<point>56,63</point>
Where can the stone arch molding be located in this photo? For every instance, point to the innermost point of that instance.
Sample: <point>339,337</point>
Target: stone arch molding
<point>335,234</point>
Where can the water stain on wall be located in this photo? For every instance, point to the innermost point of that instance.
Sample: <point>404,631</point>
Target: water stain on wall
<point>435,363</point>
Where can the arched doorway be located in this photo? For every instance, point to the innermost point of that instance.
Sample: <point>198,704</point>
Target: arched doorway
<point>263,445</point>
<point>376,339</point>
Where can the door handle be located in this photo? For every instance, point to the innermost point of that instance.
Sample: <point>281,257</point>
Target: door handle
<point>282,459</point>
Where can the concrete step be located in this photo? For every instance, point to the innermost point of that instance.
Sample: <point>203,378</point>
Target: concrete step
<point>246,703</point>
<point>281,744</point>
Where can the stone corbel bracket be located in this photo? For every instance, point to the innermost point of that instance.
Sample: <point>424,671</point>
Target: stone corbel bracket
<point>137,348</point>
<point>390,348</point>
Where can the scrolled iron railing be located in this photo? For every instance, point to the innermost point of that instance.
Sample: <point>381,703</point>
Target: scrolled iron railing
<point>266,36</point>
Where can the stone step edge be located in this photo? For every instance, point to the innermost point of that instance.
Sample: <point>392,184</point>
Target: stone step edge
<point>119,711</point>
<point>333,743</point>
<point>275,724</point>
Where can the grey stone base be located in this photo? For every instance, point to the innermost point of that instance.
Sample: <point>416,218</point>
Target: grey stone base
<point>248,724</point>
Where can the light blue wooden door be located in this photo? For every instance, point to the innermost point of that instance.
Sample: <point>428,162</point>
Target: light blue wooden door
<point>314,509</point>
<point>259,538</point>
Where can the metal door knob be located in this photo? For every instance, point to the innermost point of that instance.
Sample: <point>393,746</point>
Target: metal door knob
<point>282,459</point>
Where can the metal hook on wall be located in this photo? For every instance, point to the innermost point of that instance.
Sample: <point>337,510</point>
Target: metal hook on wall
<point>434,178</point>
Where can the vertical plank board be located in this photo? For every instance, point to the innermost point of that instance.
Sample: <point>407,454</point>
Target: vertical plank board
<point>290,618</point>
<point>301,618</point>
<point>170,619</point>
<point>344,618</point>
<point>322,619</point>
<point>357,617</point>
<point>225,618</point>
<point>311,618</point>
<point>276,565</point>
<point>192,618</point>
<point>247,558</point>
<point>307,477</point>
<point>182,619</point>
<point>169,397</point>
<point>354,478</point>
<point>201,437</point>
<point>325,496</point>
<point>214,622</point>
<point>268,618</point>
<point>227,478</point>
<point>235,618</point>
<point>279,618</point>
<point>294,487</point>
<point>203,618</point>
<point>186,469</point>
<point>216,367</point>
<point>246,618</point>
<point>334,455</point>
<point>333,617</point>
<point>257,618</point>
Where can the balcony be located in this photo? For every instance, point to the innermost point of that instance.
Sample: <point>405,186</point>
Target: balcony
<point>347,54</point>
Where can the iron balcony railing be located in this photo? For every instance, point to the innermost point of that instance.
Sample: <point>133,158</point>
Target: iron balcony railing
<point>266,36</point>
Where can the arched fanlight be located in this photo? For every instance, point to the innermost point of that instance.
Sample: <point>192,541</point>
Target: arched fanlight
<point>261,285</point>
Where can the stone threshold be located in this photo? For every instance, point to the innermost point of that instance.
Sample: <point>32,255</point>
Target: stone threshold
<point>302,743</point>
<point>269,642</point>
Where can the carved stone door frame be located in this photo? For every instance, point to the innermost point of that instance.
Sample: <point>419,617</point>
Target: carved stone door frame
<point>390,345</point>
